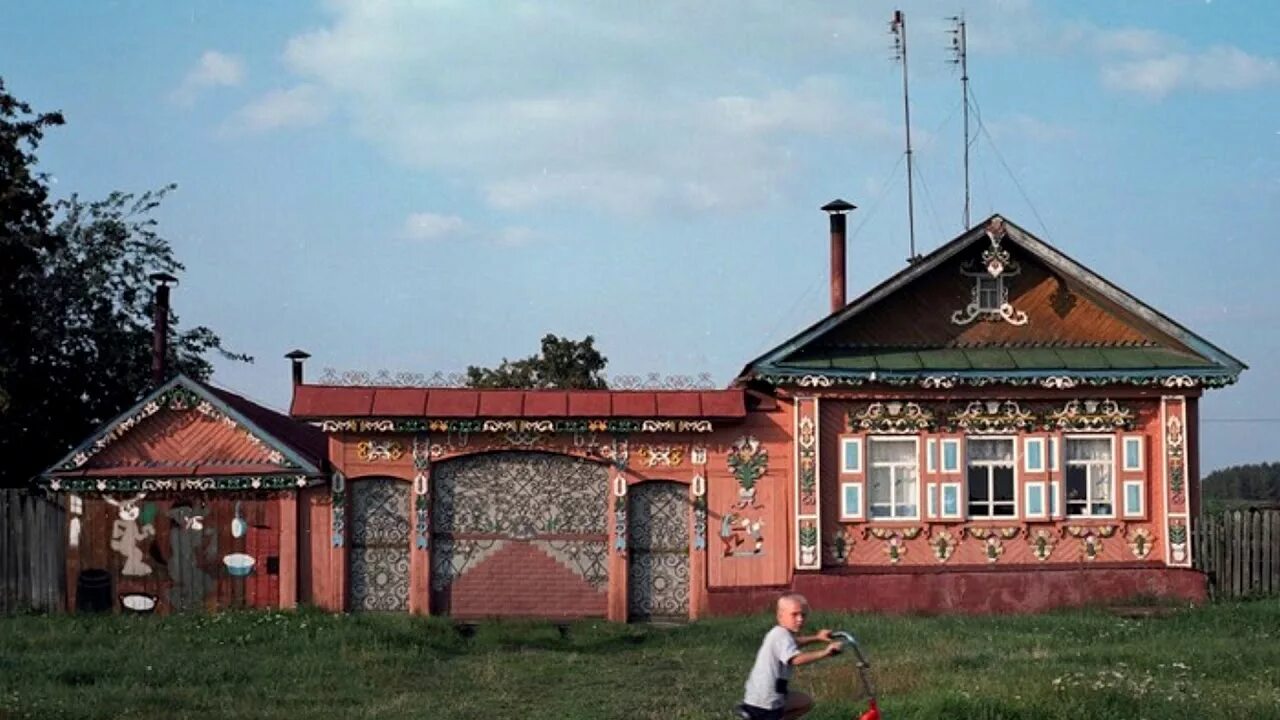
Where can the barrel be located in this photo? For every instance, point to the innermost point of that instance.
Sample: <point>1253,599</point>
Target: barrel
<point>93,591</point>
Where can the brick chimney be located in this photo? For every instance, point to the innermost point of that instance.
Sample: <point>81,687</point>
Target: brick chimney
<point>836,209</point>
<point>160,328</point>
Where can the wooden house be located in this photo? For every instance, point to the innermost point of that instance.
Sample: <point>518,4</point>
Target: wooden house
<point>995,428</point>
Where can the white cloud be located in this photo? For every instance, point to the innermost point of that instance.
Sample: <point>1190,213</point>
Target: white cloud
<point>549,107</point>
<point>430,226</point>
<point>214,69</point>
<point>298,106</point>
<point>1218,68</point>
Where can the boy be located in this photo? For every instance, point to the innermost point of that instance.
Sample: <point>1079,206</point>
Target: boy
<point>767,696</point>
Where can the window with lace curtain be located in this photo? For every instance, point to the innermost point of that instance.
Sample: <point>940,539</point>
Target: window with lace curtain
<point>1090,476</point>
<point>893,475</point>
<point>990,475</point>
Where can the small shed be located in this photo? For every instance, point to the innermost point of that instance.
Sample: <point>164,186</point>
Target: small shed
<point>186,501</point>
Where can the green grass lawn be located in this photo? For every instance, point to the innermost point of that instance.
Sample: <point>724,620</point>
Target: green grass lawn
<point>1216,662</point>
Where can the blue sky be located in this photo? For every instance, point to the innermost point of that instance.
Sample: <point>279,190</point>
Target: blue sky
<point>419,186</point>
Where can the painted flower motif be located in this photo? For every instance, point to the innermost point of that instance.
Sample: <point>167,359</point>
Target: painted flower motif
<point>1042,544</point>
<point>994,549</point>
<point>1092,546</point>
<point>1140,543</point>
<point>944,545</point>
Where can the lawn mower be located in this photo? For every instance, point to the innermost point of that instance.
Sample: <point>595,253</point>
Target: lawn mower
<point>864,672</point>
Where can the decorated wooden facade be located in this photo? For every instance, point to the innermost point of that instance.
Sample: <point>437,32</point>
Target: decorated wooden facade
<point>187,501</point>
<point>995,428</point>
<point>544,503</point>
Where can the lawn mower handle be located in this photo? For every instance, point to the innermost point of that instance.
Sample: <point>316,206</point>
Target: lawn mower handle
<point>847,639</point>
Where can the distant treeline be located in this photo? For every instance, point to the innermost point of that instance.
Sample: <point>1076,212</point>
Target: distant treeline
<point>1259,483</point>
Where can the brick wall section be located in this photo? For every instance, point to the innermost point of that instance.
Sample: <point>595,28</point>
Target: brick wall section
<point>522,581</point>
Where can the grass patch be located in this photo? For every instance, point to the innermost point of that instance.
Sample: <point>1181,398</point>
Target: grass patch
<point>1221,661</point>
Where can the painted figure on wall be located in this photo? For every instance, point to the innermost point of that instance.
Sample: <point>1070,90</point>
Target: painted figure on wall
<point>741,535</point>
<point>127,535</point>
<point>190,582</point>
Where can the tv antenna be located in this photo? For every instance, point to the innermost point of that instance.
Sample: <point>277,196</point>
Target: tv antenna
<point>898,29</point>
<point>960,56</point>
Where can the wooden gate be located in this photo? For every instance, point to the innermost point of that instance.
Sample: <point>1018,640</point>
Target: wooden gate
<point>519,534</point>
<point>658,551</point>
<point>379,545</point>
<point>1239,550</point>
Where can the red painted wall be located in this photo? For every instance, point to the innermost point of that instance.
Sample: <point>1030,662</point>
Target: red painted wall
<point>980,590</point>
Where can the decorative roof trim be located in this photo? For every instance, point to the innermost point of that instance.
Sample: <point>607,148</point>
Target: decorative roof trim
<point>1052,257</point>
<point>597,425</point>
<point>219,483</point>
<point>1178,379</point>
<point>179,393</point>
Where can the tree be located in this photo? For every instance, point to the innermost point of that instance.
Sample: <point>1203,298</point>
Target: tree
<point>1256,483</point>
<point>563,363</point>
<point>75,305</point>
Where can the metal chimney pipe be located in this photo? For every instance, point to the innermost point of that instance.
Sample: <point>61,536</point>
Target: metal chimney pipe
<point>836,209</point>
<point>296,357</point>
<point>160,327</point>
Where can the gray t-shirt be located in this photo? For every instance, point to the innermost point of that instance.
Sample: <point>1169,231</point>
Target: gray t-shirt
<point>773,663</point>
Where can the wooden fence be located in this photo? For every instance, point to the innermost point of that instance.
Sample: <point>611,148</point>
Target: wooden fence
<point>1240,552</point>
<point>33,553</point>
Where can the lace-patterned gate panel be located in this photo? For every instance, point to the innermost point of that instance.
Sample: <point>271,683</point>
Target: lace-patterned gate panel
<point>658,550</point>
<point>482,505</point>
<point>379,555</point>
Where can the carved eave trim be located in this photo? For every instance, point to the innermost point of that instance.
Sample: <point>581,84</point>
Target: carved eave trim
<point>223,483</point>
<point>944,381</point>
<point>560,427</point>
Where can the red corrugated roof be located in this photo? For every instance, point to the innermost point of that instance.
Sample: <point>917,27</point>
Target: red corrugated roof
<point>324,401</point>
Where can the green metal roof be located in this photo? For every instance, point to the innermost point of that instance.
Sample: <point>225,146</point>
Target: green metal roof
<point>1033,359</point>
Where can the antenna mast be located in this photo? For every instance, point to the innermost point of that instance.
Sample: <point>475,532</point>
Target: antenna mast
<point>898,28</point>
<point>960,50</point>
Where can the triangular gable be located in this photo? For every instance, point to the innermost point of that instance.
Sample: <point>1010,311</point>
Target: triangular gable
<point>188,430</point>
<point>1062,320</point>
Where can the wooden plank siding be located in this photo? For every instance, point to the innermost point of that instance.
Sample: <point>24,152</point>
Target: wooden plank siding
<point>1058,311</point>
<point>185,571</point>
<point>32,553</point>
<point>1239,551</point>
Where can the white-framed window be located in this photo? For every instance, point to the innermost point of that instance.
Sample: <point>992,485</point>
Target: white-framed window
<point>931,499</point>
<point>951,456</point>
<point>1133,453</point>
<point>1055,492</point>
<point>851,500</point>
<point>1134,505</point>
<point>992,491</point>
<point>931,455</point>
<point>1035,500</point>
<point>851,455</point>
<point>1033,450</point>
<point>1054,462</point>
<point>893,477</point>
<point>1090,476</point>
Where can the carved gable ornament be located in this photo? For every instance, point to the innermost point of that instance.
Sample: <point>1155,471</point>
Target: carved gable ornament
<point>989,298</point>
